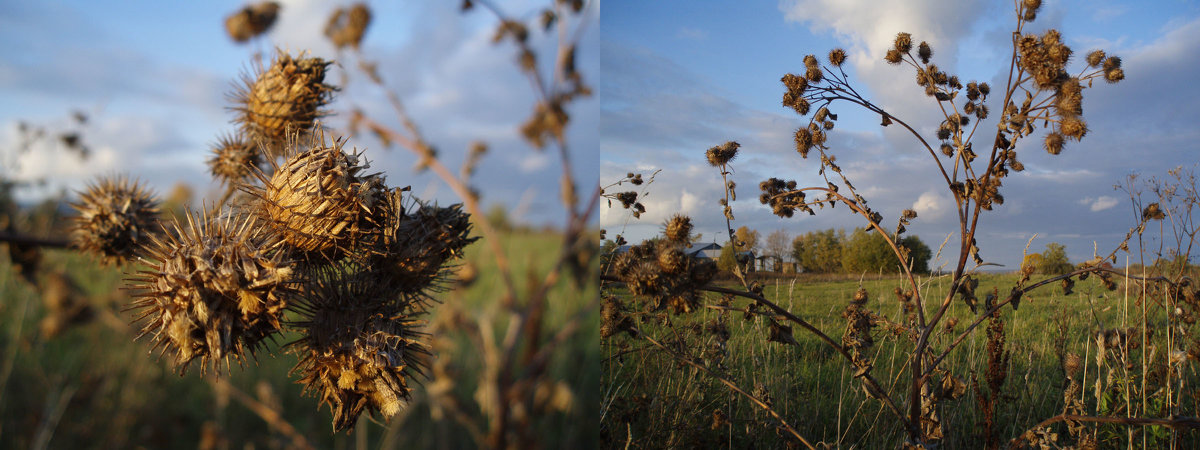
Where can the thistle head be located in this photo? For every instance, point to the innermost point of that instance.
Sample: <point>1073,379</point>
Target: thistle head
<point>215,288</point>
<point>285,98</point>
<point>115,217</point>
<point>347,25</point>
<point>233,159</point>
<point>320,201</point>
<point>360,344</point>
<point>251,21</point>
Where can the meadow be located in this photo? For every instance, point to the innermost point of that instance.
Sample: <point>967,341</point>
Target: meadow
<point>812,387</point>
<point>93,386</point>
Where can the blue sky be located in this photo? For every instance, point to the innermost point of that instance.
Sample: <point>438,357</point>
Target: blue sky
<point>154,78</point>
<point>679,77</point>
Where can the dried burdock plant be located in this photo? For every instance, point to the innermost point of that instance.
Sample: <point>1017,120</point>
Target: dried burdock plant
<point>320,201</point>
<point>360,344</point>
<point>347,25</point>
<point>251,21</point>
<point>115,217</point>
<point>1042,90</point>
<point>234,159</point>
<point>285,98</point>
<point>216,287</point>
<point>411,250</point>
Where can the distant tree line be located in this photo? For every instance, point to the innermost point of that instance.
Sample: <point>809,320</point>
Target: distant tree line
<point>831,251</point>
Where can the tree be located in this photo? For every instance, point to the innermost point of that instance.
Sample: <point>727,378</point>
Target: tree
<point>819,251</point>
<point>777,246</point>
<point>728,258</point>
<point>747,239</point>
<point>919,254</point>
<point>1054,260</point>
<point>868,251</point>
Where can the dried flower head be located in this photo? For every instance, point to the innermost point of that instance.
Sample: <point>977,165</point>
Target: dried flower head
<point>804,141</point>
<point>319,200</point>
<point>1071,364</point>
<point>837,56</point>
<point>1095,58</point>
<point>360,344</point>
<point>893,56</point>
<point>115,217</point>
<point>346,26</point>
<point>233,159</point>
<point>1054,143</point>
<point>215,288</point>
<point>1153,212</point>
<point>925,52</point>
<point>678,229</point>
<point>283,99</point>
<point>413,246</point>
<point>722,154</point>
<point>251,21</point>
<point>903,43</point>
<point>1073,127</point>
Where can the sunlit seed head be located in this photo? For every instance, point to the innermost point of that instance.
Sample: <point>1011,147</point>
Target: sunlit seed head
<point>1054,143</point>
<point>320,201</point>
<point>893,56</point>
<point>837,56</point>
<point>678,229</point>
<point>1114,75</point>
<point>285,98</point>
<point>214,288</point>
<point>903,42</point>
<point>1073,127</point>
<point>721,155</point>
<point>1095,58</point>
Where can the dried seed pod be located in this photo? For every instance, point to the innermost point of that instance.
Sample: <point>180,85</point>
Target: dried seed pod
<point>360,344</point>
<point>678,229</point>
<point>411,249</point>
<point>319,201</point>
<point>283,99</point>
<point>251,21</point>
<point>115,217</point>
<point>347,25</point>
<point>215,288</point>
<point>234,159</point>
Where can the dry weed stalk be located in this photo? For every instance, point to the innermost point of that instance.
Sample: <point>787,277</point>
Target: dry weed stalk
<point>1040,90</point>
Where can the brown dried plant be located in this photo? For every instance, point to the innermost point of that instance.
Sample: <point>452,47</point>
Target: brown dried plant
<point>282,99</point>
<point>215,288</point>
<point>314,244</point>
<point>1041,89</point>
<point>251,21</point>
<point>116,216</point>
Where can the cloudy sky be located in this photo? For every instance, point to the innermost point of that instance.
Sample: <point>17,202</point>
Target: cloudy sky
<point>678,77</point>
<point>153,77</point>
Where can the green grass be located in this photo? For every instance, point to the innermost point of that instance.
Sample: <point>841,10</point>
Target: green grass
<point>812,387</point>
<point>94,387</point>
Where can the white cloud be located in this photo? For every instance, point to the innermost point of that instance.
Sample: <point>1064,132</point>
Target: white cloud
<point>931,205</point>
<point>1100,203</point>
<point>868,28</point>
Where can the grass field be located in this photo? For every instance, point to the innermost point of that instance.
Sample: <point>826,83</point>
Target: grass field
<point>812,387</point>
<point>93,387</point>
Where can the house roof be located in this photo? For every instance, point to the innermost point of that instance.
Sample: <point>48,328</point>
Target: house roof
<point>696,248</point>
